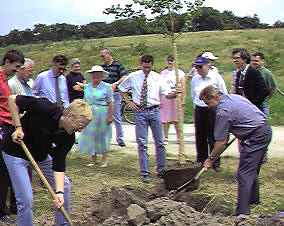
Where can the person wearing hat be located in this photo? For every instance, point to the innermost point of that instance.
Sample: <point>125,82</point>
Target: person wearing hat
<point>95,138</point>
<point>211,58</point>
<point>75,81</point>
<point>204,118</point>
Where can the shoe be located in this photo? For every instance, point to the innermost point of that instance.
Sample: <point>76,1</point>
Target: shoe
<point>7,219</point>
<point>255,202</point>
<point>166,141</point>
<point>146,179</point>
<point>121,144</point>
<point>264,159</point>
<point>104,165</point>
<point>217,169</point>
<point>13,210</point>
<point>90,164</point>
<point>161,175</point>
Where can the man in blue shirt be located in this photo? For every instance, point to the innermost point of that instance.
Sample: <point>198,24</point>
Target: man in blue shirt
<point>52,84</point>
<point>237,115</point>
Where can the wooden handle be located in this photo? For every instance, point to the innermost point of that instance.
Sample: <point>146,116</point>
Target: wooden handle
<point>42,177</point>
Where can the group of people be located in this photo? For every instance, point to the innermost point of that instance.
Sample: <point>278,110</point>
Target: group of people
<point>69,104</point>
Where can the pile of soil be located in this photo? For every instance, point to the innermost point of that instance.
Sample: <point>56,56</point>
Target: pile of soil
<point>129,206</point>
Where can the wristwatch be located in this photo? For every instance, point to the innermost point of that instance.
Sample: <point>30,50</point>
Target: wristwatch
<point>211,157</point>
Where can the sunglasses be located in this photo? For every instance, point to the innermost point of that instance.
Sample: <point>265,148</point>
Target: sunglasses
<point>61,69</point>
<point>198,66</point>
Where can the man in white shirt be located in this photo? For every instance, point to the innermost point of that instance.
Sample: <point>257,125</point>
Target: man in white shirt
<point>146,86</point>
<point>204,118</point>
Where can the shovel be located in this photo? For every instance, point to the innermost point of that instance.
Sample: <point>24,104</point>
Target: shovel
<point>194,179</point>
<point>42,177</point>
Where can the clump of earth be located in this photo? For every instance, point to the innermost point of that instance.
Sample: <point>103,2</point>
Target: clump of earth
<point>131,206</point>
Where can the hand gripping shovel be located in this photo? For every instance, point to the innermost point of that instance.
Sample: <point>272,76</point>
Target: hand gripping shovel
<point>42,177</point>
<point>194,179</point>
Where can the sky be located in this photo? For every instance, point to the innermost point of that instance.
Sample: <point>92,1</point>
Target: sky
<point>23,14</point>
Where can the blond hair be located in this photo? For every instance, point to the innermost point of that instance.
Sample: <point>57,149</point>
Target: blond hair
<point>79,108</point>
<point>208,92</point>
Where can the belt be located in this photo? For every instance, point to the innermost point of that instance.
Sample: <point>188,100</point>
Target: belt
<point>149,108</point>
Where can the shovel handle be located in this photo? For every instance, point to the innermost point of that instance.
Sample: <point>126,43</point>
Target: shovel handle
<point>42,177</point>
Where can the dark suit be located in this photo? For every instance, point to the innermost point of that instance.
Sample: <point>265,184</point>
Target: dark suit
<point>255,88</point>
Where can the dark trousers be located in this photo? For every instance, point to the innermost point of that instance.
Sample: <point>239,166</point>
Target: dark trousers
<point>204,120</point>
<point>249,167</point>
<point>5,181</point>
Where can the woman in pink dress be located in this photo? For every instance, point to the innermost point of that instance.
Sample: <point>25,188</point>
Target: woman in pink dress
<point>168,107</point>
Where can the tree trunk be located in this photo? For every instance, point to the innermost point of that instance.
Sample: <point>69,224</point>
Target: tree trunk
<point>181,155</point>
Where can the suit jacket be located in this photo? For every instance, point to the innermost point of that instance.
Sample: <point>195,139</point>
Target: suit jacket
<point>16,86</point>
<point>255,88</point>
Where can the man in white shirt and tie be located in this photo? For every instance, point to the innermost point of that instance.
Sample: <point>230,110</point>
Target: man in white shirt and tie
<point>146,86</point>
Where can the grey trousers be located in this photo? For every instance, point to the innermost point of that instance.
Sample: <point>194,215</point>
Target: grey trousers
<point>253,151</point>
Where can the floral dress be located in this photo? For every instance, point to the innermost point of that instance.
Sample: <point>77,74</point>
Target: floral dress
<point>96,136</point>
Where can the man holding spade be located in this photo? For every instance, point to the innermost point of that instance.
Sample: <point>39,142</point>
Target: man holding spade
<point>239,116</point>
<point>43,125</point>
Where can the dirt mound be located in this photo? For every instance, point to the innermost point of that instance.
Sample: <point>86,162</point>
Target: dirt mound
<point>129,206</point>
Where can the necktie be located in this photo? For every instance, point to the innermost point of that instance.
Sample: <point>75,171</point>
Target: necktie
<point>144,92</point>
<point>58,95</point>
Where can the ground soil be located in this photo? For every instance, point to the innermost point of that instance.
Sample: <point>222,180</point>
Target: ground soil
<point>109,206</point>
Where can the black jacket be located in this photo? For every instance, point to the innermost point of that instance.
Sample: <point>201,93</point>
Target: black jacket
<point>255,88</point>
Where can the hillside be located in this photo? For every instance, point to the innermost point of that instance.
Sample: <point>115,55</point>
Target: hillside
<point>128,50</point>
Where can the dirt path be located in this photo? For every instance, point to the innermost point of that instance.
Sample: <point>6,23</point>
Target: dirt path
<point>276,148</point>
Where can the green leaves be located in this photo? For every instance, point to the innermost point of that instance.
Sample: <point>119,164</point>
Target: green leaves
<point>166,20</point>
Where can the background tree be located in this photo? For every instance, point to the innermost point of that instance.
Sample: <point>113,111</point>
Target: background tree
<point>166,21</point>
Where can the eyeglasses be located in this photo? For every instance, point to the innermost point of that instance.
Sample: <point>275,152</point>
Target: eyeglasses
<point>198,66</point>
<point>61,69</point>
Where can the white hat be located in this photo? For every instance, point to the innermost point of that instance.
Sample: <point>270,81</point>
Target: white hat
<point>97,68</point>
<point>209,56</point>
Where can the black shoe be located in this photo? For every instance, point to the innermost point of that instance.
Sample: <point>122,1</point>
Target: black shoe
<point>264,159</point>
<point>121,144</point>
<point>146,179</point>
<point>217,169</point>
<point>13,210</point>
<point>7,219</point>
<point>255,202</point>
<point>161,175</point>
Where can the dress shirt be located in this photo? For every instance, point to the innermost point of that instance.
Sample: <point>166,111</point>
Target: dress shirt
<point>156,86</point>
<point>44,86</point>
<point>198,83</point>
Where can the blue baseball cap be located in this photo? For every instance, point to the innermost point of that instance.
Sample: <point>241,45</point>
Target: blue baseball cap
<point>200,61</point>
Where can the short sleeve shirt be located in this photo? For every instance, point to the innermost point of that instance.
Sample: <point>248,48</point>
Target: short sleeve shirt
<point>40,125</point>
<point>237,115</point>
<point>5,116</point>
<point>115,72</point>
<point>156,86</point>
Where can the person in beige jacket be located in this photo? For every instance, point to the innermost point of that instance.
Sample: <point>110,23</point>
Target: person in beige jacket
<point>21,83</point>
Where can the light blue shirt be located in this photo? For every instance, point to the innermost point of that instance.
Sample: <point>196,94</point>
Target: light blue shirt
<point>44,86</point>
